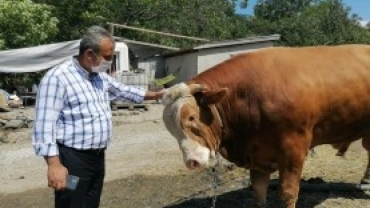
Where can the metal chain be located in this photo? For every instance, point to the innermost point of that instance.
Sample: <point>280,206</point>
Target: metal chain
<point>216,180</point>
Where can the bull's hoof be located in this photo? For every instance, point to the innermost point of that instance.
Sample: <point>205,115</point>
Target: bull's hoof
<point>312,152</point>
<point>340,153</point>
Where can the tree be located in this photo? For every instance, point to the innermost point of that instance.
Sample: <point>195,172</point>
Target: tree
<point>74,16</point>
<point>321,22</point>
<point>332,20</point>
<point>277,9</point>
<point>25,23</point>
<point>202,18</point>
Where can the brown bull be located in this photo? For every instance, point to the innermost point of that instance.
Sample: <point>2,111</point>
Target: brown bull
<point>265,110</point>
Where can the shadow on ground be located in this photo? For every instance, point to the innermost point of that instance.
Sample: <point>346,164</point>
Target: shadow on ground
<point>189,190</point>
<point>311,195</point>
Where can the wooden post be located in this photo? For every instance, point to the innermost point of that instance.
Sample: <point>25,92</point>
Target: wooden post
<point>111,28</point>
<point>157,32</point>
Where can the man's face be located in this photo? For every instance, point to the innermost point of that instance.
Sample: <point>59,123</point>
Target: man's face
<point>106,53</point>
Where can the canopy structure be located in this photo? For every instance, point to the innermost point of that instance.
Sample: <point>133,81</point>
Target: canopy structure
<point>39,58</point>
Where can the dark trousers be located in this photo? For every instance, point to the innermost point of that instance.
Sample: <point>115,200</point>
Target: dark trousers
<point>89,166</point>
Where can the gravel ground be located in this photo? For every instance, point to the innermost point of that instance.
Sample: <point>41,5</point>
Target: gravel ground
<point>145,169</point>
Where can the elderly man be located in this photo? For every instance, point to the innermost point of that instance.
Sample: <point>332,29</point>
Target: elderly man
<point>73,124</point>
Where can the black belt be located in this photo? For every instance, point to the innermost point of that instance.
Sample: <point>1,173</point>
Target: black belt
<point>99,151</point>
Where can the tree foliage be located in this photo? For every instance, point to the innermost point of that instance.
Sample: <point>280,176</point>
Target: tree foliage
<point>324,22</point>
<point>299,22</point>
<point>201,18</point>
<point>74,16</point>
<point>25,23</point>
<point>278,9</point>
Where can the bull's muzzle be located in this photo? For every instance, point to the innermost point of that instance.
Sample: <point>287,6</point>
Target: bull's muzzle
<point>192,164</point>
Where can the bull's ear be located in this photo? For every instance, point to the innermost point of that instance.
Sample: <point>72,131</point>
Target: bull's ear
<point>213,96</point>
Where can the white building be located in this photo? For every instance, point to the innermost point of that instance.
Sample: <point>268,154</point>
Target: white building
<point>186,63</point>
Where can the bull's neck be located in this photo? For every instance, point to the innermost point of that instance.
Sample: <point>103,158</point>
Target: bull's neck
<point>238,124</point>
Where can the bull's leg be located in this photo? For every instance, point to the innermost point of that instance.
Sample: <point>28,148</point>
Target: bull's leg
<point>259,185</point>
<point>366,178</point>
<point>294,151</point>
<point>289,184</point>
<point>366,145</point>
<point>342,148</point>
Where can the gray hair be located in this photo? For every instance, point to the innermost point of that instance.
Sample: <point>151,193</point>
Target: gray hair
<point>92,38</point>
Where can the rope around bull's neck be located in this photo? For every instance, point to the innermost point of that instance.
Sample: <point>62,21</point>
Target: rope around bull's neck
<point>217,116</point>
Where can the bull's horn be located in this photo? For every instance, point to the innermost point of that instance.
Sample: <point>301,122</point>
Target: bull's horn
<point>194,88</point>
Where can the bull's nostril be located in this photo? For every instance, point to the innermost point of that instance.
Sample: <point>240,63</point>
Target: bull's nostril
<point>192,164</point>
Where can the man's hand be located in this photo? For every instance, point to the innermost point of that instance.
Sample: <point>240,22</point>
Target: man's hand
<point>160,94</point>
<point>57,173</point>
<point>151,95</point>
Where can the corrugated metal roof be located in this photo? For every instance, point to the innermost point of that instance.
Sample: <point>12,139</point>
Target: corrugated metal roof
<point>226,43</point>
<point>172,51</point>
<point>243,41</point>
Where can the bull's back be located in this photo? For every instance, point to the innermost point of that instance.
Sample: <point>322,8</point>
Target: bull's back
<point>322,75</point>
<point>327,87</point>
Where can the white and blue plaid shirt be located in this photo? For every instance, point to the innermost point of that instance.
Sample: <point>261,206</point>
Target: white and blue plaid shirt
<point>74,109</point>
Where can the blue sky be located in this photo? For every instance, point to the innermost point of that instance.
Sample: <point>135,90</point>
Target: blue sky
<point>360,7</point>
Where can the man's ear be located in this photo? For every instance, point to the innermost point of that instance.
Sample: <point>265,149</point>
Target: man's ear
<point>212,97</point>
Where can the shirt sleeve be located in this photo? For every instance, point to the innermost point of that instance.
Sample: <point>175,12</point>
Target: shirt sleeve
<point>119,91</point>
<point>49,103</point>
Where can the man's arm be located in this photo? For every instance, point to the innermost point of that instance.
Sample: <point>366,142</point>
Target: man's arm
<point>119,91</point>
<point>49,102</point>
<point>150,95</point>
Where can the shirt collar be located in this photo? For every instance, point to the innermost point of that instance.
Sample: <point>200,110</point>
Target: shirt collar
<point>83,71</point>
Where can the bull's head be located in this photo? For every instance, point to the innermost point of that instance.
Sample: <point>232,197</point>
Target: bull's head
<point>191,117</point>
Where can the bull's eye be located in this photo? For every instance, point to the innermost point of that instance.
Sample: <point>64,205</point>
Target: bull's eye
<point>191,118</point>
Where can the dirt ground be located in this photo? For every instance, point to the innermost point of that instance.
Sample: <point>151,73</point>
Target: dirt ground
<point>145,170</point>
